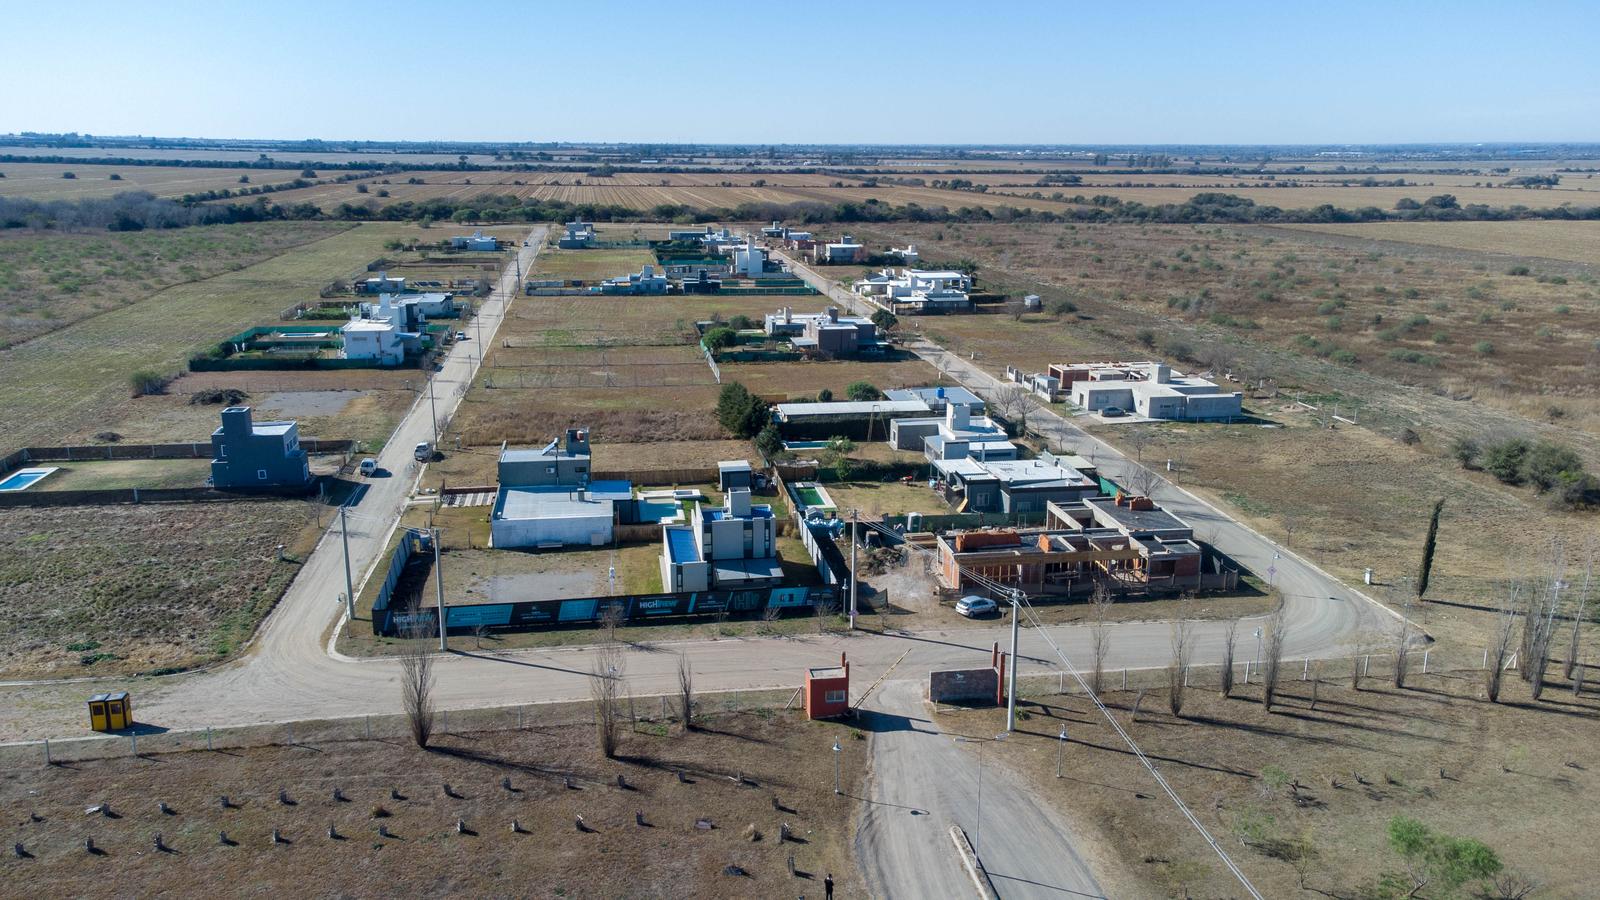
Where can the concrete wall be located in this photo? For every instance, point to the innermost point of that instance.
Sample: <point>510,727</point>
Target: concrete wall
<point>964,685</point>
<point>572,531</point>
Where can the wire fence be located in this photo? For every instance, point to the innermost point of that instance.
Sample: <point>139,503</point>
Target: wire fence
<point>641,712</point>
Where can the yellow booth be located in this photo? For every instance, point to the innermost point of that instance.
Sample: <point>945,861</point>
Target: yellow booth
<point>110,712</point>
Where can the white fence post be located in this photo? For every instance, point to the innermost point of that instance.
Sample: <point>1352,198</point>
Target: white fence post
<point>1305,672</point>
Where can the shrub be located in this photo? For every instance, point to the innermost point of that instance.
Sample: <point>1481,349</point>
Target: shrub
<point>1548,465</point>
<point>1344,357</point>
<point>862,390</point>
<point>825,396</point>
<point>1484,348</point>
<point>1504,460</point>
<point>720,337</point>
<point>1518,271</point>
<point>1062,306</point>
<point>145,382</point>
<point>1441,337</point>
<point>1145,336</point>
<point>1465,450</point>
<point>769,441</point>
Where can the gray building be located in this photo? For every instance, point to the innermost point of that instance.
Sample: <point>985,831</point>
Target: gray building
<point>250,454</point>
<point>551,464</point>
<point>1014,485</point>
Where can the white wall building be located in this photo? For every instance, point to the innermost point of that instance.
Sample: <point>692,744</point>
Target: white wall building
<point>749,260</point>
<point>728,548</point>
<point>917,290</point>
<point>475,241</point>
<point>1152,390</point>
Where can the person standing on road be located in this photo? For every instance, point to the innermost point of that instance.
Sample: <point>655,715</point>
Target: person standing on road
<point>827,886</point>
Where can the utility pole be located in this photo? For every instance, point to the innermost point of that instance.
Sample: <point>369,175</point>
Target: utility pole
<point>349,584</point>
<point>854,518</point>
<point>438,582</point>
<point>433,411</point>
<point>1011,675</point>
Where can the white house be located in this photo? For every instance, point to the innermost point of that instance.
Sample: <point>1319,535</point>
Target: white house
<point>377,339</point>
<point>749,260</point>
<point>475,241</point>
<point>907,254</point>
<point>729,548</point>
<point>917,290</point>
<point>1149,389</point>
<point>579,234</point>
<point>845,251</point>
<point>645,281</point>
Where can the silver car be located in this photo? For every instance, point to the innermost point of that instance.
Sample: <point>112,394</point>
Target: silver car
<point>973,606</point>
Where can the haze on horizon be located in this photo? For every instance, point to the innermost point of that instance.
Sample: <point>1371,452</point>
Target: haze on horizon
<point>892,73</point>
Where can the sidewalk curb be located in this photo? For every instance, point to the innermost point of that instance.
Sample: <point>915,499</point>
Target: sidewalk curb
<point>973,865</point>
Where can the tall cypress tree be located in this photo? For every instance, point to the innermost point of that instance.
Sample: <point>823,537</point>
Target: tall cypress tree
<point>1426,569</point>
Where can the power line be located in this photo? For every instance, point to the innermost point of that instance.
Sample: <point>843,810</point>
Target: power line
<point>1133,746</point>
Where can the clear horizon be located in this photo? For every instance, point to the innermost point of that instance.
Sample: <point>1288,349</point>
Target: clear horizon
<point>1239,74</point>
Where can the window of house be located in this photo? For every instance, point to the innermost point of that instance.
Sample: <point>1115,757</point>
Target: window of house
<point>224,451</point>
<point>261,474</point>
<point>549,470</point>
<point>836,697</point>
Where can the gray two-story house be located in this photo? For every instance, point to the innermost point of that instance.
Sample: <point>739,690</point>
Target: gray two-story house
<point>250,454</point>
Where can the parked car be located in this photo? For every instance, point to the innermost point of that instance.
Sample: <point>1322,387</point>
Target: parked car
<point>1112,412</point>
<point>461,335</point>
<point>369,467</point>
<point>973,606</point>
<point>423,451</point>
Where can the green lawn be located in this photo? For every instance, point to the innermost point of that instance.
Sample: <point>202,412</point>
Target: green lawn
<point>591,265</point>
<point>120,474</point>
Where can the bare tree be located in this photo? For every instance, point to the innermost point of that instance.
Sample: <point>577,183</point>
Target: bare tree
<point>1138,437</point>
<point>1142,481</point>
<point>1272,655</point>
<point>1500,644</point>
<point>1012,403</point>
<point>416,683</point>
<point>686,691</point>
<point>611,616</point>
<point>1178,667</point>
<point>605,689</point>
<point>1229,638</point>
<point>823,610</point>
<point>1402,654</point>
<point>1539,620</point>
<point>1574,645</point>
<point>1099,634</point>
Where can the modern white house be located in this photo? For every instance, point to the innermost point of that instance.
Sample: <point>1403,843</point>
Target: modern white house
<point>547,499</point>
<point>826,333</point>
<point>917,290</point>
<point>749,260</point>
<point>411,311</point>
<point>1148,389</point>
<point>845,251</point>
<point>382,283</point>
<point>907,254</point>
<point>379,336</point>
<point>954,435</point>
<point>645,281</point>
<point>730,548</point>
<point>474,241</point>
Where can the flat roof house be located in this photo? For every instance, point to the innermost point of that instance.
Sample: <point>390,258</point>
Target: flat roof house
<point>826,334</point>
<point>857,419</point>
<point>1012,486</point>
<point>846,251</point>
<point>918,290</point>
<point>474,241</point>
<point>547,499</point>
<point>954,435</point>
<point>1125,540</point>
<point>382,283</point>
<point>248,454</point>
<point>731,548</point>
<point>578,235</point>
<point>644,281</point>
<point>937,397</point>
<point>1149,389</point>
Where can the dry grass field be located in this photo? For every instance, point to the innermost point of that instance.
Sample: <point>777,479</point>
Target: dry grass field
<point>126,589</point>
<point>778,752</point>
<point>64,382</point>
<point>1301,797</point>
<point>1577,242</point>
<point>49,280</point>
<point>45,181</point>
<point>589,265</point>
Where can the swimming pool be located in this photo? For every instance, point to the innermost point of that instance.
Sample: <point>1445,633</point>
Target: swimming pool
<point>805,445</point>
<point>812,495</point>
<point>22,479</point>
<point>658,511</point>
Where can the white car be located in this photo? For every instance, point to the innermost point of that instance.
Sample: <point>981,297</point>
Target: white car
<point>422,452</point>
<point>369,467</point>
<point>973,606</point>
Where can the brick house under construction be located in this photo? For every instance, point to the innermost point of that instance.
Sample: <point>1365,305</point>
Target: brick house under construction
<point>1125,542</point>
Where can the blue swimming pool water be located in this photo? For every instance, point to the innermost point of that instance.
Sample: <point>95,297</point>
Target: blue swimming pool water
<point>804,445</point>
<point>21,480</point>
<point>681,542</point>
<point>656,510</point>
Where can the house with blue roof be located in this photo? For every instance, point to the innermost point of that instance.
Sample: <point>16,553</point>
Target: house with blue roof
<point>731,548</point>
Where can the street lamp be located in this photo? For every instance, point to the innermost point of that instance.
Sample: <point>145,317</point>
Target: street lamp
<point>836,751</point>
<point>1062,745</point>
<point>977,831</point>
<point>1258,650</point>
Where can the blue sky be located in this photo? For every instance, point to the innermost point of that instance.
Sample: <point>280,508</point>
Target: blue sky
<point>810,72</point>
